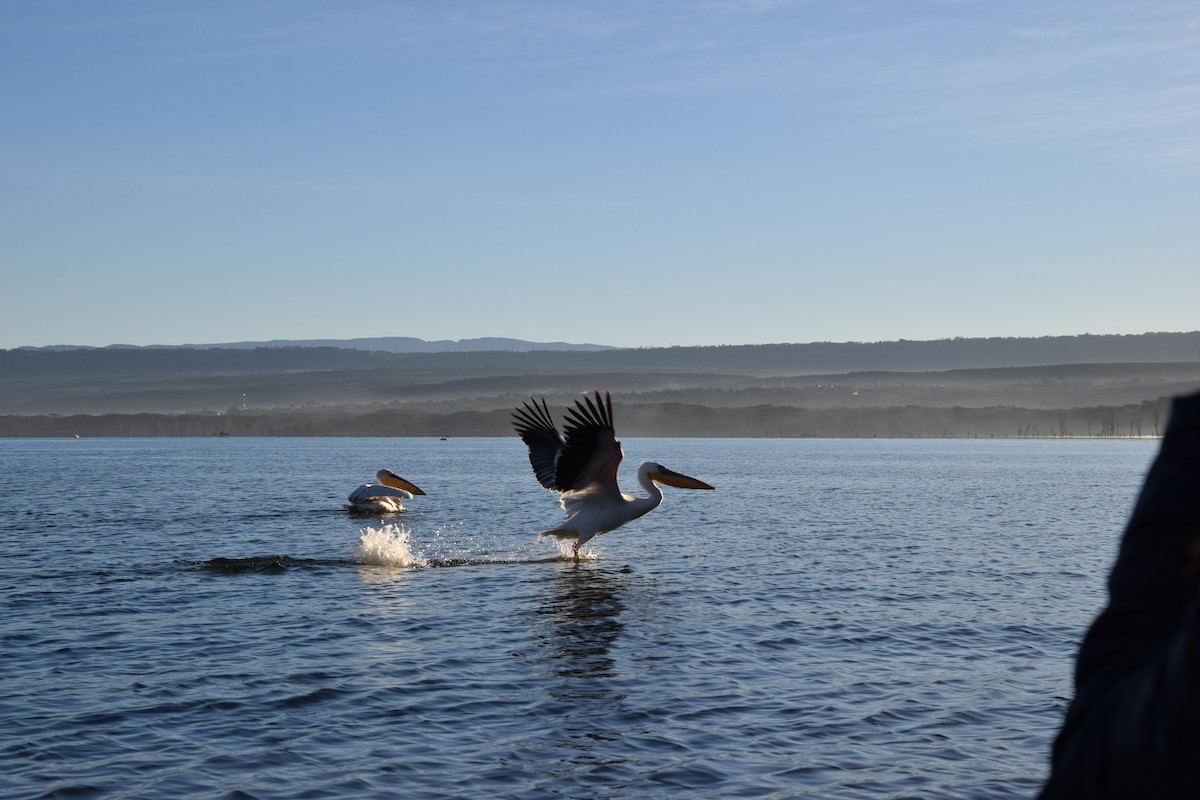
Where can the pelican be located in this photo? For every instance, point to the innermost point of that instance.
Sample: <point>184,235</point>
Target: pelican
<point>582,468</point>
<point>383,497</point>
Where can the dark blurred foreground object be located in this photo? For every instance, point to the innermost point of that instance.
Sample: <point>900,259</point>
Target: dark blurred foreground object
<point>1133,729</point>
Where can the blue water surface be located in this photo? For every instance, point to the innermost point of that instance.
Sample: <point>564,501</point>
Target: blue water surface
<point>842,618</point>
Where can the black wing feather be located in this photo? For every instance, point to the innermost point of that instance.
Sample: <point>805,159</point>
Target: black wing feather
<point>589,452</point>
<point>536,429</point>
<point>592,452</point>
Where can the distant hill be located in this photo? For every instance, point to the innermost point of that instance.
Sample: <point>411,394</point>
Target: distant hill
<point>1043,373</point>
<point>765,360</point>
<point>386,344</point>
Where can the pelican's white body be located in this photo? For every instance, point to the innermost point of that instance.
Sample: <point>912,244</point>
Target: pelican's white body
<point>385,497</point>
<point>582,467</point>
<point>374,498</point>
<point>599,508</point>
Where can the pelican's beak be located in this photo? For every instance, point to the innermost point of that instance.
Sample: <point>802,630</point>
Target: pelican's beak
<point>679,481</point>
<point>389,478</point>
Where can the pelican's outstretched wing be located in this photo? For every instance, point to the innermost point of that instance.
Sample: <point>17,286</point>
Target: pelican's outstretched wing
<point>593,454</point>
<point>537,431</point>
<point>588,456</point>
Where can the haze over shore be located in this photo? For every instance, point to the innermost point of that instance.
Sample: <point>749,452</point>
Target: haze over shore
<point>1061,386</point>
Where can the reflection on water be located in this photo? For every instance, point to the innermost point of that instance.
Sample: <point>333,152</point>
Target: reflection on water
<point>584,610</point>
<point>387,589</point>
<point>584,613</point>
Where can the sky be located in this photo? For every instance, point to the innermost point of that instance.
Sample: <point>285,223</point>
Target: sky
<point>630,173</point>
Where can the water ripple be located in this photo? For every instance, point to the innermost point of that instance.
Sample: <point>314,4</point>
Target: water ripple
<point>901,626</point>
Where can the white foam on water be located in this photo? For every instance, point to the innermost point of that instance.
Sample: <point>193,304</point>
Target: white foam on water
<point>566,550</point>
<point>388,546</point>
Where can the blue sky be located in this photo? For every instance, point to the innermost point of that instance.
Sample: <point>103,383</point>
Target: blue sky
<point>626,173</point>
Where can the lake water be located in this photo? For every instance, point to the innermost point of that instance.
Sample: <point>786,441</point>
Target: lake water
<point>842,618</point>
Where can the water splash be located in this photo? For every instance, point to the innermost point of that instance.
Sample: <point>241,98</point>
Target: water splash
<point>566,551</point>
<point>388,546</point>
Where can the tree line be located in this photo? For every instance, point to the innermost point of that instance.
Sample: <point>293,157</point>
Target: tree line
<point>939,354</point>
<point>1148,418</point>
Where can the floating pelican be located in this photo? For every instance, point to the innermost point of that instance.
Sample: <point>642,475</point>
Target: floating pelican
<point>383,497</point>
<point>582,468</point>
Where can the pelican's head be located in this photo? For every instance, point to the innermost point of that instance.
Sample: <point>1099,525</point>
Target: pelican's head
<point>660,474</point>
<point>389,478</point>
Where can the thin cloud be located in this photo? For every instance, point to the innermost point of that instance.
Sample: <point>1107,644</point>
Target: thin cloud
<point>1040,33</point>
<point>987,71</point>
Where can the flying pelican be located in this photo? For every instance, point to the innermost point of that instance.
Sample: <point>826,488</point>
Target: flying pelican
<point>582,468</point>
<point>383,497</point>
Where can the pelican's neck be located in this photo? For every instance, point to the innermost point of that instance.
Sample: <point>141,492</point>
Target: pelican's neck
<point>652,488</point>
